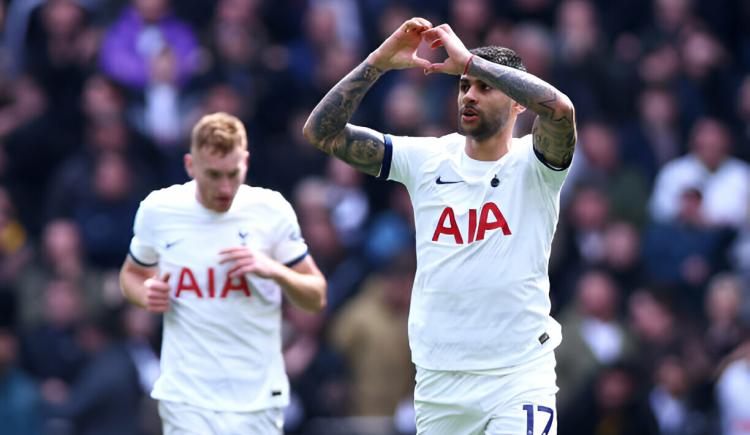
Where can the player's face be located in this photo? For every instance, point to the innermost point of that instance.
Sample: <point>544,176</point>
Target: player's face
<point>218,177</point>
<point>482,109</point>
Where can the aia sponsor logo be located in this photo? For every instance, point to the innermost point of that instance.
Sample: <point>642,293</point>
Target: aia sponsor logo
<point>480,223</point>
<point>209,289</point>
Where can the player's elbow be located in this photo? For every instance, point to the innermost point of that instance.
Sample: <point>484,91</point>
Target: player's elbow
<point>321,302</point>
<point>320,306</point>
<point>312,134</point>
<point>564,106</point>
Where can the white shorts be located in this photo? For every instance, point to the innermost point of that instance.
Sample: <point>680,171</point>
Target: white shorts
<point>183,419</point>
<point>521,402</point>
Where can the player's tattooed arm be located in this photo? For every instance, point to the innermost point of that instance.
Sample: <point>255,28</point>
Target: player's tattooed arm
<point>554,130</point>
<point>328,129</point>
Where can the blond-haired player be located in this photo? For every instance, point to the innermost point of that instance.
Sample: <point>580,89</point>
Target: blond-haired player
<point>215,256</point>
<point>486,206</point>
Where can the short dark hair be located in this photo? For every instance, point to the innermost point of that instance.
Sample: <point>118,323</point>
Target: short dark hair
<point>500,55</point>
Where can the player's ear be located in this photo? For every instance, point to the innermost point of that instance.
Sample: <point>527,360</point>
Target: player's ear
<point>188,159</point>
<point>518,108</point>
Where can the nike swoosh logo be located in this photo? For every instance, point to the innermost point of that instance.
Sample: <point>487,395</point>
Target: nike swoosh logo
<point>439,181</point>
<point>170,244</point>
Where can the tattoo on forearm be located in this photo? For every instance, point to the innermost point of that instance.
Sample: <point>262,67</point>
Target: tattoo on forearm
<point>554,130</point>
<point>327,124</point>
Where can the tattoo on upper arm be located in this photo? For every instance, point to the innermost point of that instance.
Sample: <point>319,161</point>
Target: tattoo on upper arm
<point>554,130</point>
<point>327,125</point>
<point>555,139</point>
<point>361,148</point>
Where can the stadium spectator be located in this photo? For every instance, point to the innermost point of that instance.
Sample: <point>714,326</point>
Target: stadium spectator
<point>613,404</point>
<point>21,407</point>
<point>685,252</point>
<point>599,163</point>
<point>731,392</point>
<point>723,180</point>
<point>725,328</point>
<point>60,256</point>
<point>595,337</point>
<point>105,396</point>
<point>50,350</point>
<point>145,31</point>
<point>15,250</point>
<point>655,137</point>
<point>370,332</point>
<point>670,399</point>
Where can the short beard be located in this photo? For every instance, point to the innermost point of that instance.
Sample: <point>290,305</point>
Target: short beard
<point>484,129</point>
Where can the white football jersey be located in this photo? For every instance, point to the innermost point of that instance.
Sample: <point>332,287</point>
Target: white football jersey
<point>484,233</point>
<point>221,347</point>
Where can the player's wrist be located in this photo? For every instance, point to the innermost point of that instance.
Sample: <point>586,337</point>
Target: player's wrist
<point>375,61</point>
<point>467,64</point>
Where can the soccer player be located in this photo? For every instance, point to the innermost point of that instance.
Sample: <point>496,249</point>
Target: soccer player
<point>486,206</point>
<point>215,255</point>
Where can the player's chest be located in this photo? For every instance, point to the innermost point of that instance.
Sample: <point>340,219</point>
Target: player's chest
<point>446,185</point>
<point>453,208</point>
<point>201,241</point>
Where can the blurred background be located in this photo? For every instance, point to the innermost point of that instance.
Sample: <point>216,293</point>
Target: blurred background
<point>651,263</point>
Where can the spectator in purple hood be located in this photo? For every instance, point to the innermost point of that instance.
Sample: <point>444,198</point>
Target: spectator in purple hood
<point>144,32</point>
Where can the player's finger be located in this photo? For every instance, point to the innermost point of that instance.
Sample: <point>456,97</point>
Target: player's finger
<point>414,24</point>
<point>165,277</point>
<point>445,27</point>
<point>422,63</point>
<point>156,284</point>
<point>426,23</point>
<point>235,256</point>
<point>157,296</point>
<point>158,308</point>
<point>241,269</point>
<point>233,249</point>
<point>434,32</point>
<point>435,67</point>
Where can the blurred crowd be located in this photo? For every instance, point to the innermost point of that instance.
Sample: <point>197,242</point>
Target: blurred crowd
<point>650,271</point>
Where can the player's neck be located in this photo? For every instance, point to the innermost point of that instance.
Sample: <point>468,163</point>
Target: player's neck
<point>491,148</point>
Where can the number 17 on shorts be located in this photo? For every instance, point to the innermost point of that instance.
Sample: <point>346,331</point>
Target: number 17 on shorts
<point>546,412</point>
<point>525,419</point>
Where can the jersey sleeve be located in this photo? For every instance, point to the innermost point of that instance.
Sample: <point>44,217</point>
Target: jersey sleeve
<point>143,244</point>
<point>404,156</point>
<point>290,247</point>
<point>551,176</point>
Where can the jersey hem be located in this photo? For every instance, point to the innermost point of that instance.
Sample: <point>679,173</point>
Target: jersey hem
<point>490,369</point>
<point>211,407</point>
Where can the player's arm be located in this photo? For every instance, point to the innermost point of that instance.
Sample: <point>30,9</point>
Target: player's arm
<point>328,126</point>
<point>328,129</point>
<point>143,287</point>
<point>554,131</point>
<point>302,283</point>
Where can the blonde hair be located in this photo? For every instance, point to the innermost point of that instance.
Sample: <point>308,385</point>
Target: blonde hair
<point>219,132</point>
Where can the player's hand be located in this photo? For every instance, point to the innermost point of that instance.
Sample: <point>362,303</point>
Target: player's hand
<point>157,294</point>
<point>458,54</point>
<point>399,51</point>
<point>245,260</point>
